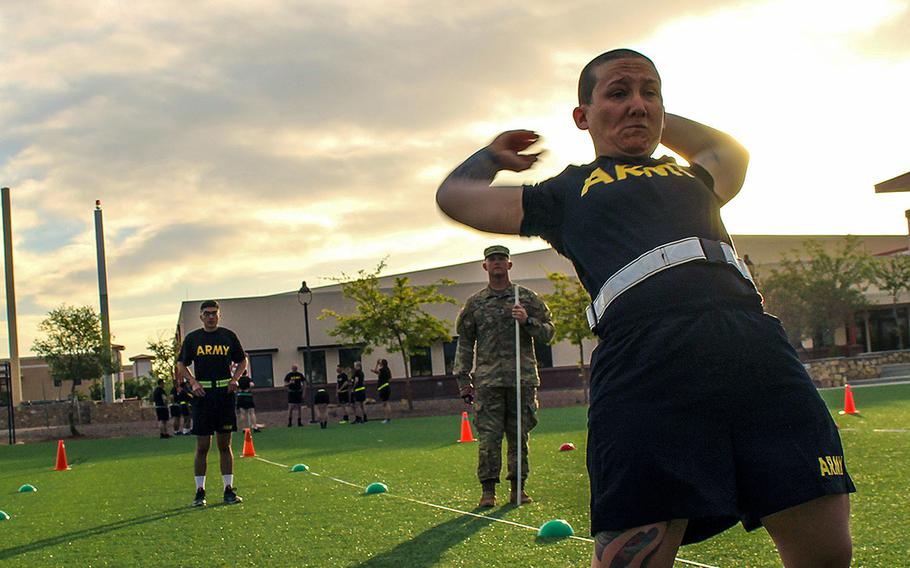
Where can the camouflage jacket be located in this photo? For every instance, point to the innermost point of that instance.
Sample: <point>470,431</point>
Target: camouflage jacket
<point>486,321</point>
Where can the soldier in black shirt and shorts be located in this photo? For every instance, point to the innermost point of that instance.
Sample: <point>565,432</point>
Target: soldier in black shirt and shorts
<point>175,408</point>
<point>295,381</point>
<point>383,387</point>
<point>360,393</point>
<point>159,396</point>
<point>321,400</point>
<point>701,413</point>
<point>211,350</point>
<point>344,389</point>
<point>246,406</point>
<point>185,401</point>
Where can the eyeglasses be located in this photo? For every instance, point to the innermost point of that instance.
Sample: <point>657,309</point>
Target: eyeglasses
<point>209,314</point>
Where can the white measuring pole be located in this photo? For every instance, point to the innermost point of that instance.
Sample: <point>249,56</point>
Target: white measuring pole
<point>517,406</point>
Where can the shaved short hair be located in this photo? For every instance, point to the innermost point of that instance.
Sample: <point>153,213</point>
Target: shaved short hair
<point>588,79</point>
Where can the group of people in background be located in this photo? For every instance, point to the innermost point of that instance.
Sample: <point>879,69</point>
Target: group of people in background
<point>351,390</point>
<point>176,405</point>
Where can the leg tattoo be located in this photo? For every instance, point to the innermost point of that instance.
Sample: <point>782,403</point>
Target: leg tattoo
<point>628,549</point>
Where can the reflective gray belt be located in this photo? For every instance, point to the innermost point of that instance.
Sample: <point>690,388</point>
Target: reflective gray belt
<point>657,260</point>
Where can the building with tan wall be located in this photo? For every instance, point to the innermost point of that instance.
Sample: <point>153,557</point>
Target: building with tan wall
<point>39,385</point>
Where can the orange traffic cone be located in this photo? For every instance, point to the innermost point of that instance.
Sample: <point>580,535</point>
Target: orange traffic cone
<point>466,435</point>
<point>61,457</point>
<point>248,450</point>
<point>849,405</point>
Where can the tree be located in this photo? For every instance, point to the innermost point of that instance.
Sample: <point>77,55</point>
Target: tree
<point>567,304</point>
<point>393,318</point>
<point>892,275</point>
<point>165,349</point>
<point>815,292</point>
<point>73,348</point>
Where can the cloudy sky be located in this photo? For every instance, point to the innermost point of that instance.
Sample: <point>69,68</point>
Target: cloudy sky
<point>240,147</point>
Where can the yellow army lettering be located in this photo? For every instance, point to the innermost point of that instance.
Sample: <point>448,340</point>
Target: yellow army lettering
<point>831,465</point>
<point>622,171</point>
<point>212,350</point>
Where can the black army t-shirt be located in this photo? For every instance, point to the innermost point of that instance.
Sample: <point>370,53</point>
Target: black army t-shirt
<point>342,381</point>
<point>605,214</point>
<point>295,381</point>
<point>212,353</point>
<point>158,397</point>
<point>358,378</point>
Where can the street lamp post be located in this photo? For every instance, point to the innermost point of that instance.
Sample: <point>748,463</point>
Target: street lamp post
<point>304,297</point>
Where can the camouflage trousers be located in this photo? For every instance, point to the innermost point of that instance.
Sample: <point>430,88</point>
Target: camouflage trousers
<point>494,415</point>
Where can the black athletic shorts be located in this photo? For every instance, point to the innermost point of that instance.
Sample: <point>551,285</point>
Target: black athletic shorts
<point>295,397</point>
<point>344,397</point>
<point>360,396</point>
<point>708,416</point>
<point>175,410</point>
<point>162,414</point>
<point>385,391</point>
<point>185,409</point>
<point>322,397</point>
<point>245,401</point>
<point>214,412</point>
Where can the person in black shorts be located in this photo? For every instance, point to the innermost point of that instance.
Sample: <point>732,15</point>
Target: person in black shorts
<point>246,406</point>
<point>185,400</point>
<point>321,400</point>
<point>701,414</point>
<point>344,389</point>
<point>211,350</point>
<point>383,387</point>
<point>159,396</point>
<point>175,408</point>
<point>295,381</point>
<point>359,393</point>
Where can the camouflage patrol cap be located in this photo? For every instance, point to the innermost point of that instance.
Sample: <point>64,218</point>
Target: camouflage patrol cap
<point>495,249</point>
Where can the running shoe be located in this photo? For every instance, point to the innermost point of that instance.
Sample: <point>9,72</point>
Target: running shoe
<point>199,501</point>
<point>231,497</point>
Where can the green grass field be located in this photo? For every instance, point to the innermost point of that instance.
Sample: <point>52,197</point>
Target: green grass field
<point>125,501</point>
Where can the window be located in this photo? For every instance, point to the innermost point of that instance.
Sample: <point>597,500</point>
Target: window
<point>261,370</point>
<point>347,356</point>
<point>317,359</point>
<point>421,362</point>
<point>448,354</point>
<point>544,354</point>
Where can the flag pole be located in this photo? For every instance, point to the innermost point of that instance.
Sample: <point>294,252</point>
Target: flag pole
<point>517,406</point>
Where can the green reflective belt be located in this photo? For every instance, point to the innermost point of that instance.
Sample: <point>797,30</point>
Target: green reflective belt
<point>321,390</point>
<point>183,402</point>
<point>383,386</point>
<point>360,389</point>
<point>218,384</point>
<point>244,393</point>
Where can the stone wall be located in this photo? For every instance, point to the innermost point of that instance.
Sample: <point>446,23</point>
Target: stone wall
<point>90,412</point>
<point>835,371</point>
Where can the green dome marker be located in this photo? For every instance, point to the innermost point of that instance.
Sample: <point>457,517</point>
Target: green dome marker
<point>376,488</point>
<point>557,528</point>
<point>28,488</point>
<point>300,467</point>
<point>3,516</point>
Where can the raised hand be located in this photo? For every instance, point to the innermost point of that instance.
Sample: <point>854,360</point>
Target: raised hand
<point>507,147</point>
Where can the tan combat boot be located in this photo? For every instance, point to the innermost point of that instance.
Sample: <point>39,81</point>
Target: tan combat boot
<point>525,498</point>
<point>488,497</point>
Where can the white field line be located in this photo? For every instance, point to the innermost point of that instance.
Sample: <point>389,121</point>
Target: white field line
<point>460,512</point>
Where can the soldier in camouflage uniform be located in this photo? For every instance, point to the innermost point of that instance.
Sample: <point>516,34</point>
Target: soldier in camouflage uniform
<point>487,321</point>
